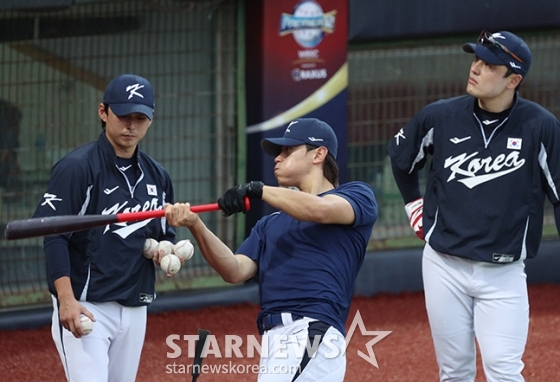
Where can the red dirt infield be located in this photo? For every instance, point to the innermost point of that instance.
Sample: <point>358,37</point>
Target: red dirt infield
<point>404,355</point>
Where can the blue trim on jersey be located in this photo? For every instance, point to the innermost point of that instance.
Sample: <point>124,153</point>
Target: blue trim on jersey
<point>309,269</point>
<point>484,196</point>
<point>105,263</point>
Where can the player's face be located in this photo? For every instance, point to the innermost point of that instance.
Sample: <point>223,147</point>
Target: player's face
<point>124,133</point>
<point>487,82</point>
<point>293,164</point>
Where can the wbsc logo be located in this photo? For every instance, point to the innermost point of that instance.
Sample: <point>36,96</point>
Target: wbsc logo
<point>308,24</point>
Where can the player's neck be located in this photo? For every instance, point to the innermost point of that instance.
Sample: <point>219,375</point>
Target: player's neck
<point>497,104</point>
<point>317,187</point>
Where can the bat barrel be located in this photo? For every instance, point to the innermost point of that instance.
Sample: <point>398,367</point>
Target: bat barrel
<point>26,228</point>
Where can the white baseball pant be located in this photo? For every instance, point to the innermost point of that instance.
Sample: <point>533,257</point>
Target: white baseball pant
<point>467,299</point>
<point>283,358</point>
<point>111,352</point>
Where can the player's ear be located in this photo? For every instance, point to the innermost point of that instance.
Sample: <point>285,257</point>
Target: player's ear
<point>320,154</point>
<point>514,80</point>
<point>102,112</point>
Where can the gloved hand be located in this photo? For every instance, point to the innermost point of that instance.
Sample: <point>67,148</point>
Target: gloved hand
<point>414,211</point>
<point>233,201</point>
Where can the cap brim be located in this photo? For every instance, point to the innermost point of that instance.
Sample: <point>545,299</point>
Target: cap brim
<point>273,146</point>
<point>122,109</point>
<point>483,53</point>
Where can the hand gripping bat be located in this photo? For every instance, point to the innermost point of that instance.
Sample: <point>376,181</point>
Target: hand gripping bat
<point>26,228</point>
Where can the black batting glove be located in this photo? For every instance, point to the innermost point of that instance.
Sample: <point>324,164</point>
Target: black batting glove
<point>233,201</point>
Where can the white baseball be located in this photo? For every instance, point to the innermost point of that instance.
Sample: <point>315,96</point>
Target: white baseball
<point>183,249</point>
<point>87,324</point>
<point>150,245</point>
<point>166,247</point>
<point>170,263</point>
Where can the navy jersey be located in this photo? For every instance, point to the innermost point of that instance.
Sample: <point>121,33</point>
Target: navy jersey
<point>309,269</point>
<point>105,263</point>
<point>485,192</point>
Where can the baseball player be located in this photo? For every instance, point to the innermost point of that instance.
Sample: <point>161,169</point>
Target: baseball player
<point>306,256</point>
<point>101,273</point>
<point>494,158</point>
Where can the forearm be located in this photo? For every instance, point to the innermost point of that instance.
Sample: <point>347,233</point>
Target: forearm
<point>64,289</point>
<point>231,267</point>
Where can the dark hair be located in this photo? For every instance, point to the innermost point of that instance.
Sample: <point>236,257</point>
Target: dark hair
<point>106,107</point>
<point>330,168</point>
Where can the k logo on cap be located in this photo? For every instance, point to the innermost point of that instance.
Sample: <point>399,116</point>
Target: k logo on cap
<point>129,93</point>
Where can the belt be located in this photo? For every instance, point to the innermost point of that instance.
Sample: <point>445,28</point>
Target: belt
<point>269,321</point>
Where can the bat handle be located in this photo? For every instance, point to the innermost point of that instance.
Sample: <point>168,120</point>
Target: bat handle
<point>215,207</point>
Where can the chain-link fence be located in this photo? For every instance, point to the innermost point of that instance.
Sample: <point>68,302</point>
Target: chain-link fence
<point>389,84</point>
<point>54,66</point>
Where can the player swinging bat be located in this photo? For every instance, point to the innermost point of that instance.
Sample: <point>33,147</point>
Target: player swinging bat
<point>26,228</point>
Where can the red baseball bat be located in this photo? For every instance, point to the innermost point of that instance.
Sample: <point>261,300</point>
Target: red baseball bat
<point>26,228</point>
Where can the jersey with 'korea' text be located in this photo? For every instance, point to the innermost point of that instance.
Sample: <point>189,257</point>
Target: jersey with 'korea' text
<point>105,263</point>
<point>485,191</point>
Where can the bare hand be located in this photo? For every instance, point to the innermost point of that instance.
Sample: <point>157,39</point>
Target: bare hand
<point>180,215</point>
<point>69,313</point>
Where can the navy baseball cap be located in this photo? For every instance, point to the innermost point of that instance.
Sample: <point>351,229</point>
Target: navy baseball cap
<point>129,93</point>
<point>502,48</point>
<point>303,131</point>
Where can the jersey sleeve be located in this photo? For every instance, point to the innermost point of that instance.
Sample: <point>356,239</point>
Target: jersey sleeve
<point>67,194</point>
<point>362,199</point>
<point>68,190</point>
<point>409,148</point>
<point>408,184</point>
<point>549,153</point>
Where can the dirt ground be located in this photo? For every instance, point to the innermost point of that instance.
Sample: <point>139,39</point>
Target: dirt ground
<point>406,354</point>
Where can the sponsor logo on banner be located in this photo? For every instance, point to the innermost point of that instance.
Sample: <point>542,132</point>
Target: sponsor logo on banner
<point>308,74</point>
<point>308,25</point>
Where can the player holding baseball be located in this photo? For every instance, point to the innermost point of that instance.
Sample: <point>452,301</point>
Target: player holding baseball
<point>101,273</point>
<point>306,256</point>
<point>494,158</point>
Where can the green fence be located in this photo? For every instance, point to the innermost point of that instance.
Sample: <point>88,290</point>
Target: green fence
<point>54,66</point>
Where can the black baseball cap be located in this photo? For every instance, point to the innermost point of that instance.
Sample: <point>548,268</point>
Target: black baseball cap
<point>303,131</point>
<point>130,93</point>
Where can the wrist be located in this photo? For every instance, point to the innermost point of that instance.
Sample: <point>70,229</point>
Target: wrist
<point>256,189</point>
